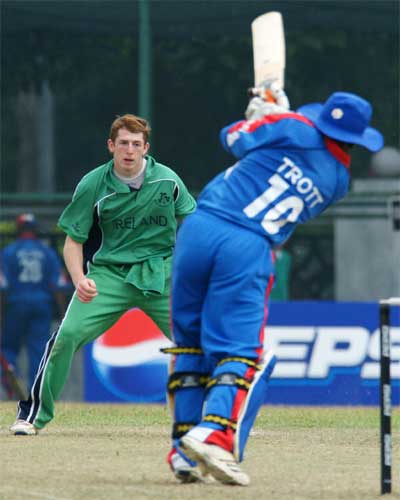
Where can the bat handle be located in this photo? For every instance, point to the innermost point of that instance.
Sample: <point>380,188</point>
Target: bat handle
<point>263,92</point>
<point>268,97</point>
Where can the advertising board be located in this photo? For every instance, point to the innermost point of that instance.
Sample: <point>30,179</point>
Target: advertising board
<point>327,354</point>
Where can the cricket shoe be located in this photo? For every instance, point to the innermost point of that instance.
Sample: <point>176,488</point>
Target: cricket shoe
<point>23,428</point>
<point>218,462</point>
<point>184,469</point>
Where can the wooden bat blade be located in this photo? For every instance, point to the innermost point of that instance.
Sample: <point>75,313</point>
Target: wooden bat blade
<point>268,48</point>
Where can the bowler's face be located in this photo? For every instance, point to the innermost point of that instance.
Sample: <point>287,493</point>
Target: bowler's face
<point>128,150</point>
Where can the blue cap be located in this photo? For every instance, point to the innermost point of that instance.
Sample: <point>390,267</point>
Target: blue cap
<point>345,117</point>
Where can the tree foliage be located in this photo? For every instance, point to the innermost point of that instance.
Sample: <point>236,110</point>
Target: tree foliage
<point>199,85</point>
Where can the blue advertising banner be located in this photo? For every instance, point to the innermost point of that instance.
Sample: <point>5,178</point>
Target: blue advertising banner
<point>327,354</point>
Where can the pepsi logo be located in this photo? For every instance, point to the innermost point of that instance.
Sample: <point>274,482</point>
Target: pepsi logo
<point>128,362</point>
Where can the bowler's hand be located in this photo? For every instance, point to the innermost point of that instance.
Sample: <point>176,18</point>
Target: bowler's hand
<point>86,290</point>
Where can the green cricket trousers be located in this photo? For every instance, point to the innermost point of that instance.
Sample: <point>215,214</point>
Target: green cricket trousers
<point>84,322</point>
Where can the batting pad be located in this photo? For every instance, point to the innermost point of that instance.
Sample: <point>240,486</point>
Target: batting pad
<point>254,400</point>
<point>186,391</point>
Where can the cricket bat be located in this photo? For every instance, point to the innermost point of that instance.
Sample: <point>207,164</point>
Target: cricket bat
<point>12,384</point>
<point>268,50</point>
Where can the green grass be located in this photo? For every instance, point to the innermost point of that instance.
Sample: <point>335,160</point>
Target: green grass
<point>71,415</point>
<point>78,414</point>
<point>324,417</point>
<point>113,451</point>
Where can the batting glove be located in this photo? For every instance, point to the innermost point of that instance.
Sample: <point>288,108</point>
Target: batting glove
<point>268,99</point>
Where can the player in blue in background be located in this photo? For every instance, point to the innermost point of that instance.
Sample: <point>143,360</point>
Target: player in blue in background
<point>290,167</point>
<point>30,276</point>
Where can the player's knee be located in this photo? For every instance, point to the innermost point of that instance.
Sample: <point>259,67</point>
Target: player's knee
<point>65,341</point>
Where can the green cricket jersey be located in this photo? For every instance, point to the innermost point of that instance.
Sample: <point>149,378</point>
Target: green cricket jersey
<point>134,225</point>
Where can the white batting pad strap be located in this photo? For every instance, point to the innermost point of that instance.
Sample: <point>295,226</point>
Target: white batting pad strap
<point>200,433</point>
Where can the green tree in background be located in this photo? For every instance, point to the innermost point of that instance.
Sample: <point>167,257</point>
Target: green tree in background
<point>199,85</point>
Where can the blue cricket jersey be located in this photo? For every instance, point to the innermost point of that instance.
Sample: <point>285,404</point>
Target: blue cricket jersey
<point>287,173</point>
<point>30,271</point>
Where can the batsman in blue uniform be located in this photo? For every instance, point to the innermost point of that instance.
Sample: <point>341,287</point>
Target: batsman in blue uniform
<point>290,166</point>
<point>30,273</point>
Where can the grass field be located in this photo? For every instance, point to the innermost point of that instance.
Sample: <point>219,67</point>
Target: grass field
<point>118,452</point>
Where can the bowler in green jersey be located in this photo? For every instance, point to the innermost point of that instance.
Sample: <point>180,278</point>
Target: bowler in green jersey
<point>120,233</point>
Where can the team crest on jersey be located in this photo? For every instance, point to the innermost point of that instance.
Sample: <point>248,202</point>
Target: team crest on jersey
<point>163,199</point>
